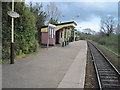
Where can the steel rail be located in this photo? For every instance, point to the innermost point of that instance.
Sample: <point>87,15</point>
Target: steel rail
<point>96,69</point>
<point>106,58</point>
<point>97,73</point>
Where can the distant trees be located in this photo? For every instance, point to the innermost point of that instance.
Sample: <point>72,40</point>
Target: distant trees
<point>88,31</point>
<point>116,29</point>
<point>53,13</point>
<point>107,25</point>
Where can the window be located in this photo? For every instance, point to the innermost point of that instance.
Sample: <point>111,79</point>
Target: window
<point>52,33</point>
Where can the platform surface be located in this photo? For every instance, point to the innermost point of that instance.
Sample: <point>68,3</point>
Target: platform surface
<point>57,67</point>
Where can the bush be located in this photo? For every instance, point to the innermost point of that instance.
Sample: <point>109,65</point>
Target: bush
<point>110,42</point>
<point>25,31</point>
<point>102,41</point>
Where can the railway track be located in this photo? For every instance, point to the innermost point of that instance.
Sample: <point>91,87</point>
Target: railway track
<point>107,75</point>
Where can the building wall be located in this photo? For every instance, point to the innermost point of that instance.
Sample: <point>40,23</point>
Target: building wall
<point>45,39</point>
<point>61,36</point>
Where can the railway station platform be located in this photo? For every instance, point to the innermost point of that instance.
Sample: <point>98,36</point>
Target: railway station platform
<point>57,67</point>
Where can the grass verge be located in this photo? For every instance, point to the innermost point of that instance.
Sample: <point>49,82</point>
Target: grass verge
<point>112,56</point>
<point>18,57</point>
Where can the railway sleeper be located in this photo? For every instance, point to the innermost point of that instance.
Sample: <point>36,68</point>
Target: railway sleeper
<point>110,82</point>
<point>102,65</point>
<point>108,74</point>
<point>105,85</point>
<point>113,88</point>
<point>107,70</point>
<point>110,78</point>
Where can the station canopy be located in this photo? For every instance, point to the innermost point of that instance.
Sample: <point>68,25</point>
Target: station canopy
<point>60,26</point>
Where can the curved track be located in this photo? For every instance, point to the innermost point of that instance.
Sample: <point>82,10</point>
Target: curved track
<point>108,76</point>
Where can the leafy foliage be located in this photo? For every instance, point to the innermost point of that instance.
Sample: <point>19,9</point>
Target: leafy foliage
<point>53,21</point>
<point>6,30</point>
<point>110,42</point>
<point>40,17</point>
<point>25,30</point>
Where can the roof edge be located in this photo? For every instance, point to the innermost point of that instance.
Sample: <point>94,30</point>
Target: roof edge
<point>61,24</point>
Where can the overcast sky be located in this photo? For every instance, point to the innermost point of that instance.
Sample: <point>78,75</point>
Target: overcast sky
<point>89,12</point>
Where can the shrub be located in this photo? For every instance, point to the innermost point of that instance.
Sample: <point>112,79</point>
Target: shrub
<point>25,31</point>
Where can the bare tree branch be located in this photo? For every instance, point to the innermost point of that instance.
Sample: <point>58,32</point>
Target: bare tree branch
<point>107,24</point>
<point>53,12</point>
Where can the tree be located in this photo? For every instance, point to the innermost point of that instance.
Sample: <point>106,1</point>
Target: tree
<point>107,25</point>
<point>116,29</point>
<point>40,17</point>
<point>53,13</point>
<point>6,30</point>
<point>53,21</point>
<point>93,32</point>
<point>39,14</point>
<point>25,30</point>
<point>87,30</point>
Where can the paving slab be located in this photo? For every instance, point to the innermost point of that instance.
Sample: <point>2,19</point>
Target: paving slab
<point>47,68</point>
<point>75,76</point>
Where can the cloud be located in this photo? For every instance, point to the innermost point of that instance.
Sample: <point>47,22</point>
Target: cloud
<point>90,12</point>
<point>87,9</point>
<point>93,24</point>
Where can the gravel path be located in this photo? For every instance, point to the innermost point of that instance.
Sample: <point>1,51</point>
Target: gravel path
<point>90,78</point>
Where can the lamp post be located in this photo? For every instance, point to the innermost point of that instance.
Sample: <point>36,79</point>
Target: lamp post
<point>48,38</point>
<point>12,37</point>
<point>13,15</point>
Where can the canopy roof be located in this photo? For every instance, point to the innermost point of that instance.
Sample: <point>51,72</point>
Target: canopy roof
<point>60,26</point>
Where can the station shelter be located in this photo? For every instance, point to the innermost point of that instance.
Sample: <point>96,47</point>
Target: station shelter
<point>57,33</point>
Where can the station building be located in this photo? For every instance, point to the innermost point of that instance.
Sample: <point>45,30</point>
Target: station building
<point>57,33</point>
